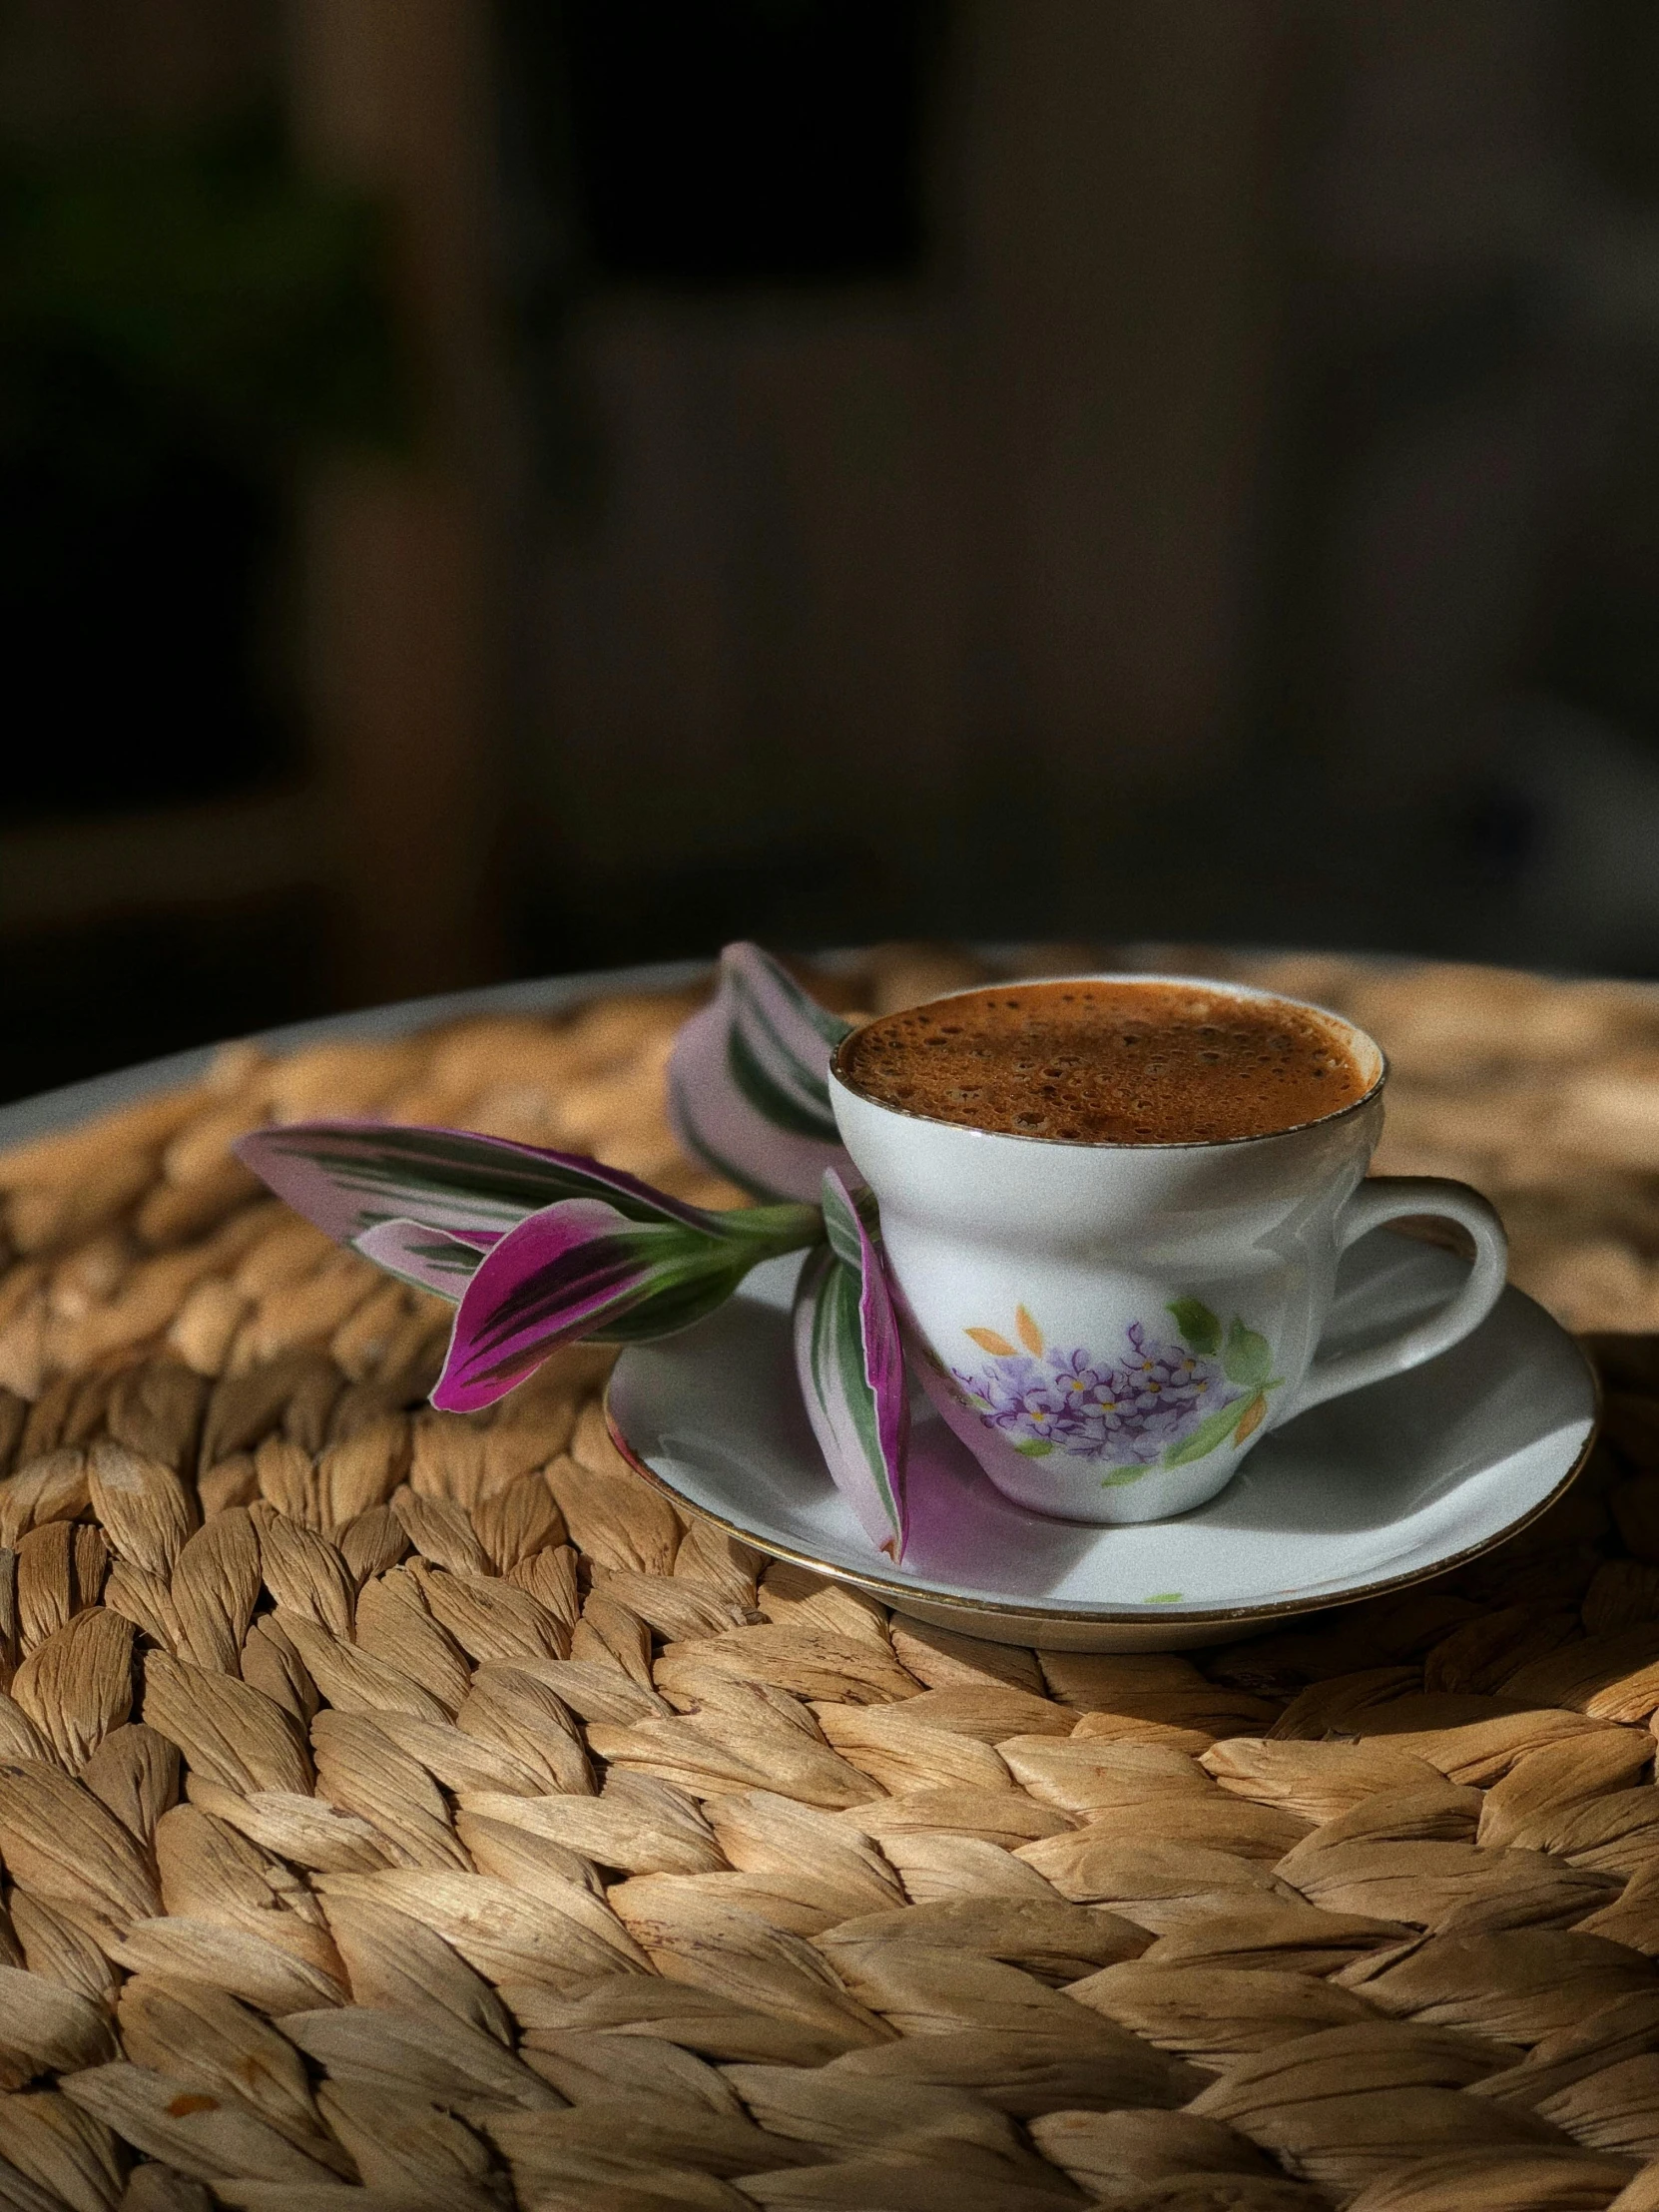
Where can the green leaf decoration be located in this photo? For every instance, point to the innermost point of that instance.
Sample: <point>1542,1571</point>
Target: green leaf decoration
<point>1119,1478</point>
<point>1200,1329</point>
<point>1247,1358</point>
<point>1206,1436</point>
<point>1035,1449</point>
<point>1163,1597</point>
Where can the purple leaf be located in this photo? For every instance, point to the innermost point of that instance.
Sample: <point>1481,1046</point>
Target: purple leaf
<point>349,1176</point>
<point>850,1364</point>
<point>583,1269</point>
<point>748,1084</point>
<point>434,1260</point>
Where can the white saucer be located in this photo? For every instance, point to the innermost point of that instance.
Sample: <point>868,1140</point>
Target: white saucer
<point>1362,1496</point>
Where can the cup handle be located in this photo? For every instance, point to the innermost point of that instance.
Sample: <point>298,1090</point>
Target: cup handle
<point>1386,1198</point>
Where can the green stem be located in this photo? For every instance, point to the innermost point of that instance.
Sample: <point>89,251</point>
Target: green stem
<point>774,1230</point>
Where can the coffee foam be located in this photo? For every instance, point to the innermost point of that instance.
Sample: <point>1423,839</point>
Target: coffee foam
<point>1129,1062</point>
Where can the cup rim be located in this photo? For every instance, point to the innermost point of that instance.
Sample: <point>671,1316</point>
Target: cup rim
<point>1158,1144</point>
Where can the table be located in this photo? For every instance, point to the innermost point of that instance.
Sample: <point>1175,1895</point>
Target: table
<point>412,1800</point>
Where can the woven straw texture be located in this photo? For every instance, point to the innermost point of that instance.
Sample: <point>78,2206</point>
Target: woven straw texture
<point>414,1805</point>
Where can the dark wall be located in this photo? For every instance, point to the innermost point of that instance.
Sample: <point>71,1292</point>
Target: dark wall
<point>514,488</point>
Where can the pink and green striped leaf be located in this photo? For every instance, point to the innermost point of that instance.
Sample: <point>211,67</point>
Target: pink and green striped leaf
<point>428,1258</point>
<point>347,1175</point>
<point>850,1365</point>
<point>583,1269</point>
<point>748,1084</point>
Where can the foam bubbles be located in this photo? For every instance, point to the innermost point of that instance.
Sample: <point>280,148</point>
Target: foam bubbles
<point>1108,1063</point>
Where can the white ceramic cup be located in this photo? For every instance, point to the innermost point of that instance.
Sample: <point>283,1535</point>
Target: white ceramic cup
<point>1109,1328</point>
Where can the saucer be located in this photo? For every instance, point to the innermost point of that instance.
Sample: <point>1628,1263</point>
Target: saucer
<point>1358,1496</point>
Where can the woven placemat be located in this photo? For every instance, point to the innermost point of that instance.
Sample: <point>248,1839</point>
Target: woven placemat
<point>414,1804</point>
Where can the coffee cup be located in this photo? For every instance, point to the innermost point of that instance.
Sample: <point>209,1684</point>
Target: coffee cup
<point>1109,1327</point>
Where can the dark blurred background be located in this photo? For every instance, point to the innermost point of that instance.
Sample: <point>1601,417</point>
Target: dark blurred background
<point>502,488</point>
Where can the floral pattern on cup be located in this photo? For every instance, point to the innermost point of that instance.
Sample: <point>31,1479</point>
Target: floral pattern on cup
<point>1155,1401</point>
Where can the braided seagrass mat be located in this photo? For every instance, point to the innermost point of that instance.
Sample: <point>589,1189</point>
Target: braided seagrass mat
<point>414,1804</point>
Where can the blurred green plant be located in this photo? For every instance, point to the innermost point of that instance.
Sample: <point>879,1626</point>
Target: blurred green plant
<point>181,318</point>
<point>198,281</point>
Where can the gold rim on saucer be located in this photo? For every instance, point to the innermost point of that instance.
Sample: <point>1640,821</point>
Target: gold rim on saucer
<point>892,1590</point>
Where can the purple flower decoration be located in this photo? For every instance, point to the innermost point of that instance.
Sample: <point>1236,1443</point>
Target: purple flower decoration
<point>1153,1401</point>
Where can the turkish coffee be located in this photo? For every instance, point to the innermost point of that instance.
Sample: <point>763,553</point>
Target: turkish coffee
<point>1119,1063</point>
